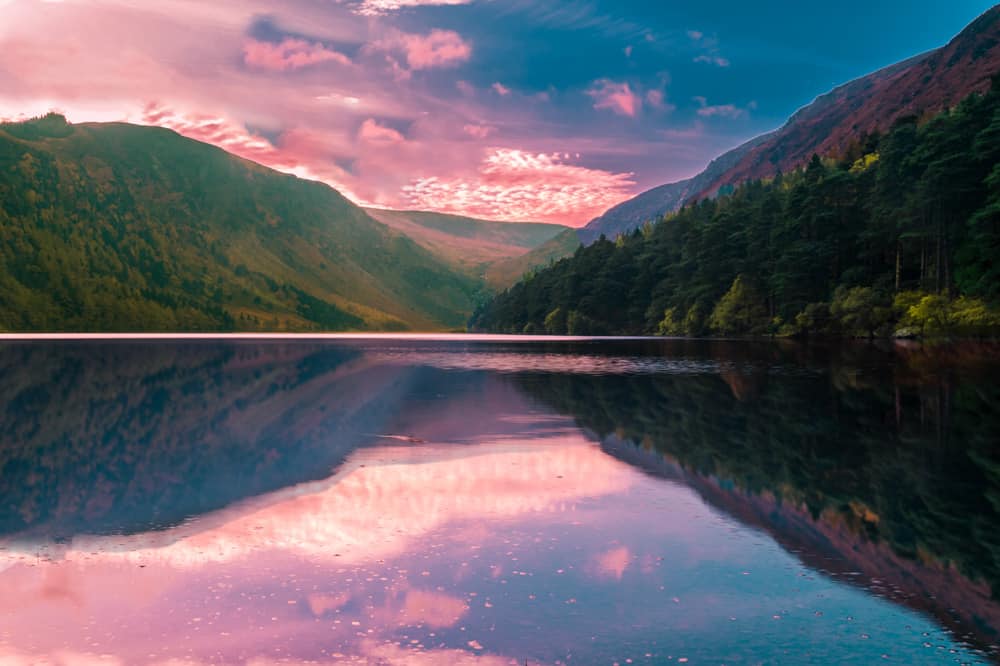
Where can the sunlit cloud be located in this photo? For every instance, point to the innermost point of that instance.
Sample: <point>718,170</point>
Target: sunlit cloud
<point>372,132</point>
<point>289,54</point>
<point>513,184</point>
<point>380,7</point>
<point>438,48</point>
<point>718,61</point>
<point>707,110</point>
<point>501,89</point>
<point>616,97</point>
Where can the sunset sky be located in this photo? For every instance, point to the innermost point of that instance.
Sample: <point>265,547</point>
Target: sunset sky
<point>504,109</point>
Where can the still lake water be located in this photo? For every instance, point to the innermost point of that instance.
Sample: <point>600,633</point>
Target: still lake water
<point>399,501</point>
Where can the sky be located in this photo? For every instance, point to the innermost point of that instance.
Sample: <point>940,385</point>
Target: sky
<point>518,110</point>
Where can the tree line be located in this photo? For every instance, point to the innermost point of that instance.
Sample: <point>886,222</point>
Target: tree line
<point>900,234</point>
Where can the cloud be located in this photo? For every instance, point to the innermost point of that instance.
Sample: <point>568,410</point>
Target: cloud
<point>436,49</point>
<point>695,35</point>
<point>380,7</point>
<point>298,151</point>
<point>479,131</point>
<point>617,97</point>
<point>718,110</point>
<point>718,61</point>
<point>289,54</point>
<point>517,185</point>
<point>501,89</point>
<point>657,99</point>
<point>372,132</point>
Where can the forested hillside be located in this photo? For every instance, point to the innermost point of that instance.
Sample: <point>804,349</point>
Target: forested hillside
<point>900,234</point>
<point>922,86</point>
<point>113,227</point>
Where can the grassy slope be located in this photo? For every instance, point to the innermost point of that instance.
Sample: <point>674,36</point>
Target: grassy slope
<point>466,243</point>
<point>118,227</point>
<point>503,274</point>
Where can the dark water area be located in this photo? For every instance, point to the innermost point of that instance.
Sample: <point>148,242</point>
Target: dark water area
<point>466,501</point>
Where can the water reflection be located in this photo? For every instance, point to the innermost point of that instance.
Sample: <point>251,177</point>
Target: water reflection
<point>331,503</point>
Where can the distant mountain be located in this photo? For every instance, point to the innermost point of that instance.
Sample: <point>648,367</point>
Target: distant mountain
<point>468,244</point>
<point>114,227</point>
<point>653,204</point>
<point>922,86</point>
<point>503,274</point>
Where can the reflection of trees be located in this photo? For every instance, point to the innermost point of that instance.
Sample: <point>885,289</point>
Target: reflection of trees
<point>128,436</point>
<point>902,448</point>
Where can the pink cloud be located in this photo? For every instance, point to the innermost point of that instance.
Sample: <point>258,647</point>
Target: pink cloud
<point>297,153</point>
<point>380,135</point>
<point>657,100</point>
<point>517,185</point>
<point>721,111</point>
<point>289,54</point>
<point>718,61</point>
<point>380,7</point>
<point>501,89</point>
<point>616,97</point>
<point>438,48</point>
<point>479,131</point>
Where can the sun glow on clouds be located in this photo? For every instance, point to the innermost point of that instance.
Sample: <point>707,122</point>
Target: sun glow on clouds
<point>617,97</point>
<point>514,184</point>
<point>289,54</point>
<point>379,7</point>
<point>295,154</point>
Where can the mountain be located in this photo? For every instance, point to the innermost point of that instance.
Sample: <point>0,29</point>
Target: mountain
<point>653,204</point>
<point>471,245</point>
<point>115,227</point>
<point>503,274</point>
<point>921,86</point>
<point>899,236</point>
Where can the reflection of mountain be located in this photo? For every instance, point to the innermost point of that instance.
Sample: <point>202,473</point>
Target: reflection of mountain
<point>125,436</point>
<point>886,463</point>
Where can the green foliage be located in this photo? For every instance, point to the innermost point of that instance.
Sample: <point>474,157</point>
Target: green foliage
<point>825,248</point>
<point>861,311</point>
<point>555,322</point>
<point>739,311</point>
<point>936,315</point>
<point>122,228</point>
<point>669,324</point>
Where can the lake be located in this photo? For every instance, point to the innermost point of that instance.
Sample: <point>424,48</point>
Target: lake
<point>494,501</point>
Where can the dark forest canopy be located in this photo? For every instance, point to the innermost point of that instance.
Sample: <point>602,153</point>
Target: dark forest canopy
<point>900,234</point>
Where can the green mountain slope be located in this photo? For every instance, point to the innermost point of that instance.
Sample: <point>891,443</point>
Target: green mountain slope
<point>114,227</point>
<point>503,274</point>
<point>468,244</point>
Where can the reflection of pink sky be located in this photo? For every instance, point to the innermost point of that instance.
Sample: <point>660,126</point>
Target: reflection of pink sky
<point>613,563</point>
<point>378,507</point>
<point>377,504</point>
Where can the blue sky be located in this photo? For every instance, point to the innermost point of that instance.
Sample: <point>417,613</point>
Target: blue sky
<point>509,109</point>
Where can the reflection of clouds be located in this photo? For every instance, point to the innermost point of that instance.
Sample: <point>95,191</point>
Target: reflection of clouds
<point>375,507</point>
<point>434,609</point>
<point>563,363</point>
<point>370,653</point>
<point>613,563</point>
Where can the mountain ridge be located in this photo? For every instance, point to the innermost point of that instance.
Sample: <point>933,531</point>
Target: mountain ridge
<point>923,84</point>
<point>118,227</point>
